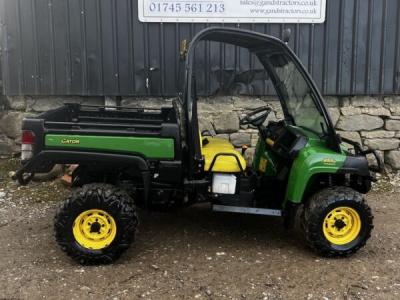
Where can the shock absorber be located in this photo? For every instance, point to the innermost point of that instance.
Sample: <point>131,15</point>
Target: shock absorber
<point>330,180</point>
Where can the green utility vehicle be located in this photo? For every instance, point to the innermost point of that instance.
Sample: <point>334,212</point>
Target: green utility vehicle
<point>155,158</point>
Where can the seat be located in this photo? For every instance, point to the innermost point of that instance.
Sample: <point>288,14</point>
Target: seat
<point>224,164</point>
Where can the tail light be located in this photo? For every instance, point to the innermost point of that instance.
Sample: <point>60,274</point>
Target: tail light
<point>27,143</point>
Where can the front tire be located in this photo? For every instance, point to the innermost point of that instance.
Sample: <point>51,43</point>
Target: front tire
<point>337,222</point>
<point>96,224</point>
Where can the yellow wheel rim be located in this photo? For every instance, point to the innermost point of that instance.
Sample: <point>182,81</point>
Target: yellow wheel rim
<point>94,229</point>
<point>342,225</point>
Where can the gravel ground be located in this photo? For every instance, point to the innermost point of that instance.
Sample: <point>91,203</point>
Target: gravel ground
<point>193,254</point>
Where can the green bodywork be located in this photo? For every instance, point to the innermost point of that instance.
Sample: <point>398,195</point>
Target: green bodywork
<point>263,152</point>
<point>315,158</point>
<point>150,147</point>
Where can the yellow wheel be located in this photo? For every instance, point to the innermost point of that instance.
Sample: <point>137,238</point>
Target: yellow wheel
<point>94,229</point>
<point>96,224</point>
<point>337,221</point>
<point>342,225</point>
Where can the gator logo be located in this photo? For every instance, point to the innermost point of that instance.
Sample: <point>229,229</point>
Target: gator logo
<point>329,161</point>
<point>70,141</point>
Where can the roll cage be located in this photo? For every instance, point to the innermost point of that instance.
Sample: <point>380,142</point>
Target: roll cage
<point>258,44</point>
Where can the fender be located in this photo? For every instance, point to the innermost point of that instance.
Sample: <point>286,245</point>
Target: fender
<point>77,157</point>
<point>313,159</point>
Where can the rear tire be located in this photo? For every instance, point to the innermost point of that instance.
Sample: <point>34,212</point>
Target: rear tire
<point>96,224</point>
<point>337,222</point>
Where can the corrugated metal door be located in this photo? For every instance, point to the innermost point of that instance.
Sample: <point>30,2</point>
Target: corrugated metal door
<point>98,47</point>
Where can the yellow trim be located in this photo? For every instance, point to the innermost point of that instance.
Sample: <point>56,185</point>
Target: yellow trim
<point>94,229</point>
<point>270,142</point>
<point>342,225</point>
<point>263,165</point>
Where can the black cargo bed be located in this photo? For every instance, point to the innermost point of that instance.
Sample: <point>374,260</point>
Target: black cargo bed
<point>88,120</point>
<point>77,117</point>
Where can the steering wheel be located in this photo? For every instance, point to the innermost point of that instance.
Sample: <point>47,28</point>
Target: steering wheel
<point>257,117</point>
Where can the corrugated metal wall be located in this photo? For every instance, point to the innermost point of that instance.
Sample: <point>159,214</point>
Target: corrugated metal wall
<point>98,47</point>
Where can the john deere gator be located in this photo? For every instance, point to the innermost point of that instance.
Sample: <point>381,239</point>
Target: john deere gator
<point>152,158</point>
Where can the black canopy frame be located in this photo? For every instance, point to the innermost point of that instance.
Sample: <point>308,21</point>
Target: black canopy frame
<point>258,44</point>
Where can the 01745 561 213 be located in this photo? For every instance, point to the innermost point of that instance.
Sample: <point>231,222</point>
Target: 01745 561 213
<point>183,7</point>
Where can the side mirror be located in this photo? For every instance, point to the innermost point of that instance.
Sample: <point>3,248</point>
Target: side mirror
<point>286,35</point>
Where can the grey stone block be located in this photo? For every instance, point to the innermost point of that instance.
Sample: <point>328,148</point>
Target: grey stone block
<point>376,111</point>
<point>350,111</point>
<point>392,158</point>
<point>10,124</point>
<point>359,122</point>
<point>335,115</point>
<point>224,136</point>
<point>226,123</point>
<point>378,134</point>
<point>206,125</point>
<point>382,144</point>
<point>249,156</point>
<point>331,101</point>
<point>254,139</point>
<point>239,139</point>
<point>44,104</point>
<point>392,125</point>
<point>247,103</point>
<point>366,101</point>
<point>395,110</point>
<point>215,104</point>
<point>7,145</point>
<point>16,102</point>
<point>344,101</point>
<point>391,100</point>
<point>351,135</point>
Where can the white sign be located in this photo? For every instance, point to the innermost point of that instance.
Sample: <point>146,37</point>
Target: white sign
<point>232,11</point>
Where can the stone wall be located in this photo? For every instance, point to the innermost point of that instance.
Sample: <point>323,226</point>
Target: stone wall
<point>372,121</point>
<point>14,109</point>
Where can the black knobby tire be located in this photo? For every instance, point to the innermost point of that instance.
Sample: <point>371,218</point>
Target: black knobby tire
<point>323,202</point>
<point>108,198</point>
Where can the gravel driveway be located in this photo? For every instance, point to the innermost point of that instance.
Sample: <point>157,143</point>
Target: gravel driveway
<point>192,254</point>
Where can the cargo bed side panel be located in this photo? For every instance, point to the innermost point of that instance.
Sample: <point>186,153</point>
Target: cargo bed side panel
<point>150,147</point>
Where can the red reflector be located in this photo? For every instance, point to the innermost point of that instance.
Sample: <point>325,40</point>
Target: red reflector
<point>28,137</point>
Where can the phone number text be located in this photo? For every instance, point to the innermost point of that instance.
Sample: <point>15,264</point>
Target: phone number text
<point>186,7</point>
